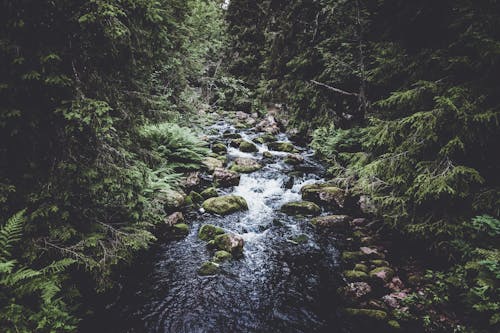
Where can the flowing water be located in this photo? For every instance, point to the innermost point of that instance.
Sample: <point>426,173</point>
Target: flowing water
<point>277,286</point>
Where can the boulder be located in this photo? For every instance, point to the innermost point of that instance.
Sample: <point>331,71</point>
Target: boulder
<point>245,165</point>
<point>382,273</point>
<point>350,257</point>
<point>174,218</point>
<point>265,139</point>
<point>366,205</point>
<point>172,199</point>
<point>326,195</point>
<point>208,232</point>
<point>301,208</point>
<point>361,267</point>
<point>282,146</point>
<point>226,178</point>
<point>353,276</point>
<point>229,135</point>
<point>355,292</point>
<point>371,314</point>
<point>379,263</point>
<point>248,147</point>
<point>235,143</point>
<point>300,239</point>
<point>332,222</point>
<point>212,163</point>
<point>208,268</point>
<point>225,204</point>
<point>268,125</point>
<point>194,198</point>
<point>267,154</point>
<point>221,256</point>
<point>210,192</point>
<point>372,252</point>
<point>181,229</point>
<point>231,243</point>
<point>219,148</point>
<point>294,159</point>
<point>192,180</point>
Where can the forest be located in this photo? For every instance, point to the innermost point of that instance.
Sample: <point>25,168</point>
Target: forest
<point>249,166</point>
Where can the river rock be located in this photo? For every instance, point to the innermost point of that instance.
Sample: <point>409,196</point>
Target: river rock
<point>248,147</point>
<point>194,198</point>
<point>245,165</point>
<point>294,159</point>
<point>282,146</point>
<point>371,252</point>
<point>301,208</point>
<point>265,139</point>
<point>208,268</point>
<point>267,154</point>
<point>208,232</point>
<point>235,143</point>
<point>174,218</point>
<point>332,222</point>
<point>229,135</point>
<point>268,125</point>
<point>366,205</point>
<point>382,273</point>
<point>326,195</point>
<point>349,257</point>
<point>226,178</point>
<point>354,292</point>
<point>212,163</point>
<point>192,180</point>
<point>219,148</point>
<point>210,192</point>
<point>362,314</point>
<point>181,229</point>
<point>354,276</point>
<point>231,243</point>
<point>225,204</point>
<point>172,199</point>
<point>221,256</point>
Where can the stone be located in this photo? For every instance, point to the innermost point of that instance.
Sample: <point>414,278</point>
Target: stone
<point>383,273</point>
<point>301,208</point>
<point>181,229</point>
<point>248,147</point>
<point>192,180</point>
<point>361,267</point>
<point>229,135</point>
<point>300,239</point>
<point>172,199</point>
<point>174,218</point>
<point>371,252</point>
<point>219,148</point>
<point>221,256</point>
<point>282,146</point>
<point>326,195</point>
<point>393,324</point>
<point>332,222</point>
<point>379,263</point>
<point>194,198</point>
<point>359,222</point>
<point>354,276</point>
<point>210,192</point>
<point>231,243</point>
<point>366,205</point>
<point>212,163</point>
<point>348,256</point>
<point>354,292</point>
<point>208,268</point>
<point>235,143</point>
<point>377,315</point>
<point>207,232</point>
<point>265,138</point>
<point>226,178</point>
<point>268,125</point>
<point>225,205</point>
<point>267,154</point>
<point>245,165</point>
<point>294,159</point>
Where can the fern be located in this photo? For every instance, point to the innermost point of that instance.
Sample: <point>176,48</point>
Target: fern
<point>11,233</point>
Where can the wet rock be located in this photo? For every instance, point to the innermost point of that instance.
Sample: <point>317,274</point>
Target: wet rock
<point>268,125</point>
<point>230,243</point>
<point>377,315</point>
<point>174,218</point>
<point>359,222</point>
<point>208,268</point>
<point>245,165</point>
<point>282,146</point>
<point>349,256</point>
<point>172,199</point>
<point>221,256</point>
<point>394,325</point>
<point>294,159</point>
<point>194,198</point>
<point>300,239</point>
<point>288,184</point>
<point>383,273</point>
<point>361,267</point>
<point>208,232</point>
<point>225,204</point>
<point>354,276</point>
<point>212,163</point>
<point>229,135</point>
<point>248,147</point>
<point>235,143</point>
<point>332,222</point>
<point>396,284</point>
<point>192,180</point>
<point>301,208</point>
<point>379,263</point>
<point>210,192</point>
<point>267,154</point>
<point>181,229</point>
<point>366,205</point>
<point>371,252</point>
<point>327,195</point>
<point>226,178</point>
<point>219,148</point>
<point>393,300</point>
<point>265,139</point>
<point>355,292</point>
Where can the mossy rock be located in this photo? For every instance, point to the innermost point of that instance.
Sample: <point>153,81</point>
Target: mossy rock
<point>349,256</point>
<point>325,194</point>
<point>231,136</point>
<point>361,267</point>
<point>379,263</point>
<point>354,276</point>
<point>394,325</point>
<point>248,147</point>
<point>219,148</point>
<point>301,208</point>
<point>377,315</point>
<point>208,268</point>
<point>384,273</point>
<point>173,200</point>
<point>235,143</point>
<point>212,163</point>
<point>332,222</point>
<point>245,165</point>
<point>230,243</point>
<point>208,232</point>
<point>181,229</point>
<point>300,239</point>
<point>265,138</point>
<point>221,256</point>
<point>210,192</point>
<point>267,154</point>
<point>286,147</point>
<point>225,205</point>
<point>194,198</point>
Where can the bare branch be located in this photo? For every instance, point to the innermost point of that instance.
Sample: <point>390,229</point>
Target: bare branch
<point>339,91</point>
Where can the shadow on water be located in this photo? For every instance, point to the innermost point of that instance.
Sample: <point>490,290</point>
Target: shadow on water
<point>277,286</point>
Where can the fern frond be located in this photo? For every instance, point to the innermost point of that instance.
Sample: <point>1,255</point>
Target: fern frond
<point>11,233</point>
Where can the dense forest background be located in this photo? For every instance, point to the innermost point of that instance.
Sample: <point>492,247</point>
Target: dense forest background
<point>399,98</point>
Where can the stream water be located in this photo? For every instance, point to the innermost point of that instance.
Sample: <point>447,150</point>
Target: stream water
<point>277,286</point>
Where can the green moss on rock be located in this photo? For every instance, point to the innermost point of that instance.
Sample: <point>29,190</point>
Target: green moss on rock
<point>282,146</point>
<point>377,315</point>
<point>210,192</point>
<point>384,273</point>
<point>219,148</point>
<point>208,268</point>
<point>353,276</point>
<point>181,229</point>
<point>361,267</point>
<point>230,243</point>
<point>208,232</point>
<point>301,208</point>
<point>221,256</point>
<point>348,256</point>
<point>225,204</point>
<point>248,147</point>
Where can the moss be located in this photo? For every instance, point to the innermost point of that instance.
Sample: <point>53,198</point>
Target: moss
<point>353,276</point>
<point>265,138</point>
<point>229,243</point>
<point>221,256</point>
<point>212,163</point>
<point>236,142</point>
<point>225,204</point>
<point>231,136</point>
<point>181,229</point>
<point>208,268</point>
<point>248,147</point>
<point>245,168</point>
<point>210,192</point>
<point>282,146</point>
<point>379,263</point>
<point>300,239</point>
<point>361,267</point>
<point>334,222</point>
<point>348,256</point>
<point>219,148</point>
<point>196,197</point>
<point>172,199</point>
<point>393,324</point>
<point>208,232</point>
<point>384,273</point>
<point>267,154</point>
<point>366,313</point>
<point>301,208</point>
